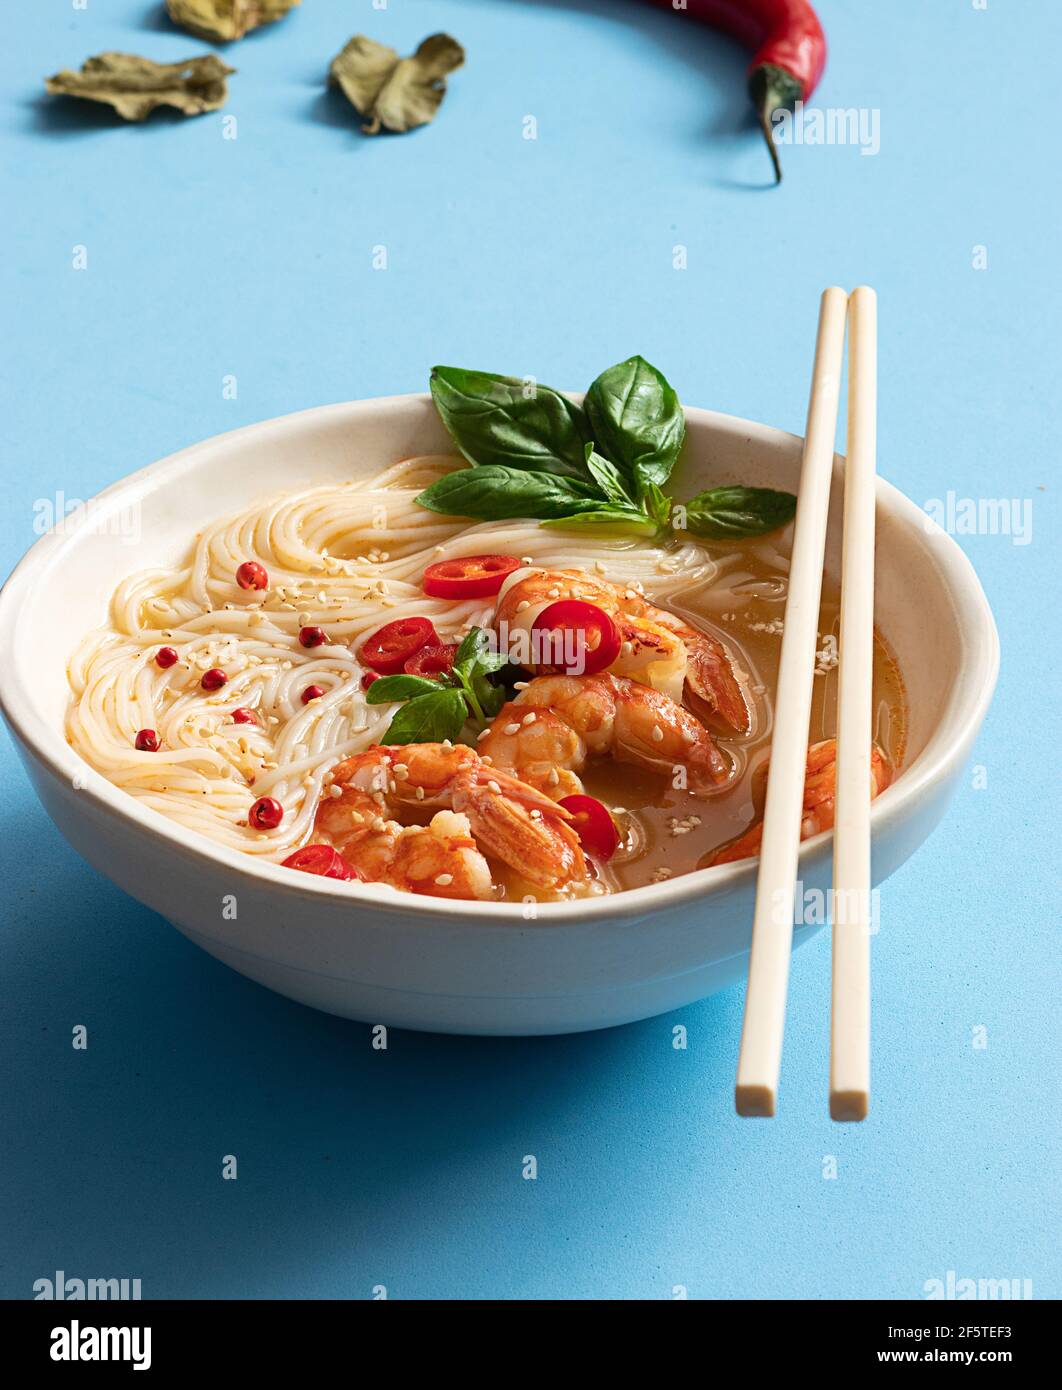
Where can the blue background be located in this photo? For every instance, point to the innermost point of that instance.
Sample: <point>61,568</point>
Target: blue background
<point>253,257</point>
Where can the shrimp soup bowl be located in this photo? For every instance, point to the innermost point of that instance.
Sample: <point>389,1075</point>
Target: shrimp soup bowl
<point>368,952</point>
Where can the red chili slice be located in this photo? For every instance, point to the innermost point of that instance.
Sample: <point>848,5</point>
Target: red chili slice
<point>432,661</point>
<point>592,822</point>
<point>596,642</point>
<point>324,861</point>
<point>471,576</point>
<point>389,648</point>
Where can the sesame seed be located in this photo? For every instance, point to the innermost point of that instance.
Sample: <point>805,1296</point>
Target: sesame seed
<point>619,810</point>
<point>419,793</point>
<point>554,777</point>
<point>444,880</point>
<point>512,729</point>
<point>658,734</point>
<point>529,718</point>
<point>522,605</point>
<point>493,786</point>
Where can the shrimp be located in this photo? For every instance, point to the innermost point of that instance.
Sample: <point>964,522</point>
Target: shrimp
<point>487,812</point>
<point>658,647</point>
<point>820,787</point>
<point>546,735</point>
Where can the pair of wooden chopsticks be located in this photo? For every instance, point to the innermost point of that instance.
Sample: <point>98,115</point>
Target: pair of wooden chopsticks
<point>772,932</point>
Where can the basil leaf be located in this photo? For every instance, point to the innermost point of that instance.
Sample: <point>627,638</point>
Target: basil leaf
<point>428,718</point>
<point>474,643</point>
<point>607,477</point>
<point>729,513</point>
<point>656,503</point>
<point>394,93</point>
<point>502,420</point>
<point>491,697</point>
<point>474,657</point>
<point>225,20</point>
<point>623,520</point>
<point>400,687</point>
<point>495,493</point>
<point>637,421</point>
<point>135,86</point>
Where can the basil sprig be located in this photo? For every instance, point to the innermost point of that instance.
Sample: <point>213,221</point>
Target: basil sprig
<point>602,467</point>
<point>731,513</point>
<point>438,707</point>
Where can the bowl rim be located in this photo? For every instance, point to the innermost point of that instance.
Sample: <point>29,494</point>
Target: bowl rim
<point>946,745</point>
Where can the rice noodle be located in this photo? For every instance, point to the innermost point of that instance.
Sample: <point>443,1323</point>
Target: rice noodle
<point>348,558</point>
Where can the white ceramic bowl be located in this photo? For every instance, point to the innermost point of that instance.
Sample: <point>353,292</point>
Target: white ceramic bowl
<point>372,954</point>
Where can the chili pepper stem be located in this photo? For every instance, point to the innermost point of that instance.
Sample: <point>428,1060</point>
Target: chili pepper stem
<point>773,89</point>
<point>768,135</point>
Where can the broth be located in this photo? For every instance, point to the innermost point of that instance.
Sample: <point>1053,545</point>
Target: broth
<point>667,832</point>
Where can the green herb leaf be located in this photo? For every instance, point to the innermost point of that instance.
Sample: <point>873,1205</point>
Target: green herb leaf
<point>474,662</point>
<point>656,503</point>
<point>394,93</point>
<point>730,513</point>
<point>637,421</point>
<point>611,520</point>
<point>607,477</point>
<point>428,718</point>
<point>494,493</point>
<point>503,420</point>
<point>400,687</point>
<point>491,697</point>
<point>225,20</point>
<point>135,86</point>
<point>484,663</point>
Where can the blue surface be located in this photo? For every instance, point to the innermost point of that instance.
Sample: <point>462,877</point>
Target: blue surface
<point>252,257</point>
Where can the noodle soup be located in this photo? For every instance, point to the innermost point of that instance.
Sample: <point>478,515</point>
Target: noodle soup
<point>229,693</point>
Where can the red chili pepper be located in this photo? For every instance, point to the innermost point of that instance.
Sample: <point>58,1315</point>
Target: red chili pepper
<point>389,648</point>
<point>432,661</point>
<point>597,638</point>
<point>324,861</point>
<point>592,822</point>
<point>471,576</point>
<point>790,51</point>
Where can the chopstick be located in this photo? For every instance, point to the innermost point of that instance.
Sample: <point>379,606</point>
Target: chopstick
<point>760,1058</point>
<point>850,1007</point>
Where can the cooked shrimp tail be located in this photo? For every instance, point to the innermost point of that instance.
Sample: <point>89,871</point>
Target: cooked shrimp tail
<point>658,648</point>
<point>487,811</point>
<point>549,732</point>
<point>820,789</point>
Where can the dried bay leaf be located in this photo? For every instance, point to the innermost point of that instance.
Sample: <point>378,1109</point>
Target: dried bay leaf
<point>225,20</point>
<point>394,93</point>
<point>135,86</point>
